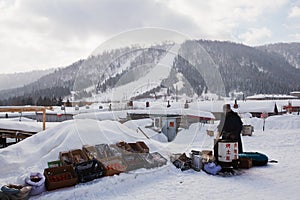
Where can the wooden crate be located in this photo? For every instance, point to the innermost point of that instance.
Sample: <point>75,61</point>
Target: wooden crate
<point>144,148</point>
<point>60,177</point>
<point>78,156</point>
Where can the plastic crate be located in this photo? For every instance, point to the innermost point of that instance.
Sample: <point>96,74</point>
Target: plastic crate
<point>113,165</point>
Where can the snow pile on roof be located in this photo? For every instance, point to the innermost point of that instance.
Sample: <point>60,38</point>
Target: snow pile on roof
<point>270,96</point>
<point>25,124</point>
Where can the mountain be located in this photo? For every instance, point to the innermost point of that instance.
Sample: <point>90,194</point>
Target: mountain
<point>290,51</point>
<point>15,80</point>
<point>193,68</point>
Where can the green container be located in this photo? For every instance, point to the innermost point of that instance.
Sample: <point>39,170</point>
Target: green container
<point>56,163</point>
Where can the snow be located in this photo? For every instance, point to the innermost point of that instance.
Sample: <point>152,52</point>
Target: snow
<point>279,141</point>
<point>148,81</point>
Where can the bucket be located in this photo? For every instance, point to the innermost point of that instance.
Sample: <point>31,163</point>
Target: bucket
<point>196,160</point>
<point>227,153</point>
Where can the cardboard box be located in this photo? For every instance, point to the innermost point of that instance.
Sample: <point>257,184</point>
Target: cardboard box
<point>245,163</point>
<point>60,177</point>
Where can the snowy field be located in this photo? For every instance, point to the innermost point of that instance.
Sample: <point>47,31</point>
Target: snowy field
<point>280,141</point>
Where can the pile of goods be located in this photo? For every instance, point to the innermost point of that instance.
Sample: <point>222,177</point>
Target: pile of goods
<point>221,163</point>
<point>84,165</point>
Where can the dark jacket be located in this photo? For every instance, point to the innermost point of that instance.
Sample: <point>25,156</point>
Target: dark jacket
<point>231,124</point>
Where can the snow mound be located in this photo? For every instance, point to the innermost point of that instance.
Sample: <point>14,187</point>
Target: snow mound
<point>35,152</point>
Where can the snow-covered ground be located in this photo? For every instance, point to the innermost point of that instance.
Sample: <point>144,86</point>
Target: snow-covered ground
<point>280,141</point>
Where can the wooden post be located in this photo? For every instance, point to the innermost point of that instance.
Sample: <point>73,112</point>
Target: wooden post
<point>44,119</point>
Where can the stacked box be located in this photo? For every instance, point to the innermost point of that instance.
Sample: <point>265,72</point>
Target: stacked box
<point>60,177</point>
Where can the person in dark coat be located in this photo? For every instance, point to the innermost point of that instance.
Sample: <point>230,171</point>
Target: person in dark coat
<point>230,127</point>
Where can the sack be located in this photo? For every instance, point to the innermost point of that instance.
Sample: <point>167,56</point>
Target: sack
<point>37,182</point>
<point>212,168</point>
<point>258,159</point>
<point>16,192</point>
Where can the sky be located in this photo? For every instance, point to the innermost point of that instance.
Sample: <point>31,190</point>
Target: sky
<point>37,34</point>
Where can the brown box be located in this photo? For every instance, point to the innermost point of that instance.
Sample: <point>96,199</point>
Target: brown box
<point>124,146</point>
<point>143,146</point>
<point>136,148</point>
<point>245,163</point>
<point>113,165</point>
<point>60,177</point>
<point>78,156</point>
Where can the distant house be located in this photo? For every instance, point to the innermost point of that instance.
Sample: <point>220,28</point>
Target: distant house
<point>54,117</point>
<point>270,97</point>
<point>296,94</point>
<point>257,108</point>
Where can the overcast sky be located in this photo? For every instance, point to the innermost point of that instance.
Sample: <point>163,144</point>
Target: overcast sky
<point>39,34</point>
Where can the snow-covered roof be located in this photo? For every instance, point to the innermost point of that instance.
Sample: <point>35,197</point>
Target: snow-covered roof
<point>167,111</point>
<point>270,96</point>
